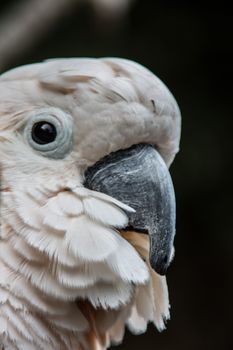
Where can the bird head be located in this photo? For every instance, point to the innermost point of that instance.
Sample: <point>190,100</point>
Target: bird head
<point>91,138</point>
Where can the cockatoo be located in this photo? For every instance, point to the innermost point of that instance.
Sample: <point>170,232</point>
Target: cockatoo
<point>87,202</point>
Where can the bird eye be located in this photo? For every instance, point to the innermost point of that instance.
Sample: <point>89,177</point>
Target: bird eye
<point>49,131</point>
<point>43,132</point>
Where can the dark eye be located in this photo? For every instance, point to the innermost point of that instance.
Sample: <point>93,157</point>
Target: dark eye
<point>43,132</point>
<point>49,131</point>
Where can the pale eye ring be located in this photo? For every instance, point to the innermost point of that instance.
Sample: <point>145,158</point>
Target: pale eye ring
<point>50,132</point>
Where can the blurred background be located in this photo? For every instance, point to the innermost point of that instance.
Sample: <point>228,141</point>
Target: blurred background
<point>190,48</point>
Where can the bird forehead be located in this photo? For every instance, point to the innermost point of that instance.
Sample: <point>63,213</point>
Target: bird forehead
<point>114,103</point>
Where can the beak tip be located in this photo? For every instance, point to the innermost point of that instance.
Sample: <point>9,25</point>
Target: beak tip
<point>161,271</point>
<point>160,264</point>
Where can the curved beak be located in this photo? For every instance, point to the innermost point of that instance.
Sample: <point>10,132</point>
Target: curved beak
<point>139,178</point>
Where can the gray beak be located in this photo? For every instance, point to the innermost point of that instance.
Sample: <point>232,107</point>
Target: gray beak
<point>139,178</point>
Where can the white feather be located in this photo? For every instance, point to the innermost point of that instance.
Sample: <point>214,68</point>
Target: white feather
<point>73,321</point>
<point>17,322</point>
<point>89,240</point>
<point>74,277</point>
<point>15,284</point>
<point>104,212</point>
<point>36,194</point>
<point>117,332</point>
<point>52,186</point>
<point>161,300</point>
<point>8,330</point>
<point>54,221</point>
<point>53,246</point>
<point>28,217</point>
<point>37,275</point>
<point>107,295</point>
<point>27,251</point>
<point>7,297</point>
<point>3,296</point>
<point>98,270</point>
<point>3,325</point>
<point>42,336</point>
<point>136,323</point>
<point>70,204</point>
<point>144,304</point>
<point>53,206</point>
<point>84,192</point>
<point>128,265</point>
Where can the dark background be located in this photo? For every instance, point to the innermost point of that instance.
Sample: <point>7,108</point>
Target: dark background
<point>190,48</point>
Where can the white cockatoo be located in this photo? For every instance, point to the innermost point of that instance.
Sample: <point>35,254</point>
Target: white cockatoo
<point>87,202</point>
